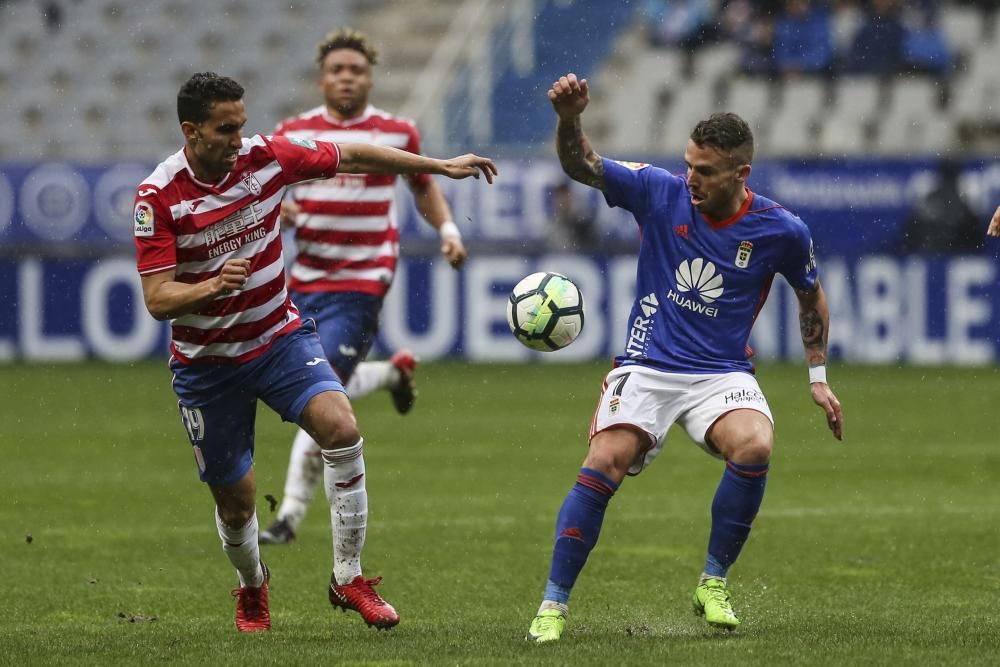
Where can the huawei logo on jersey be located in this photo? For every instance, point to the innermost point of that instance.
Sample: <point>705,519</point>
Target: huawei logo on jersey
<point>700,276</point>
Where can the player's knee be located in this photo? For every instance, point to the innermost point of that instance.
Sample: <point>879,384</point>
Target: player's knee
<point>754,449</point>
<point>338,431</point>
<point>612,452</point>
<point>236,516</point>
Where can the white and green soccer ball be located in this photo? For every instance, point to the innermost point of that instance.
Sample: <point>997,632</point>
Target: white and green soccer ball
<point>545,311</point>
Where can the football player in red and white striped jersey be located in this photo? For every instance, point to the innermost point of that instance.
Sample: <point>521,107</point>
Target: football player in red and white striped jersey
<point>347,244</point>
<point>209,255</point>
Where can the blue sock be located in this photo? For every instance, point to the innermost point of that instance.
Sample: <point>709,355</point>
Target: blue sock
<point>734,508</point>
<point>577,528</point>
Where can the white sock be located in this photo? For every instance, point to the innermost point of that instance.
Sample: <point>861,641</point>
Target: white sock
<point>305,470</point>
<point>552,604</point>
<point>243,551</point>
<point>370,376</point>
<point>344,475</point>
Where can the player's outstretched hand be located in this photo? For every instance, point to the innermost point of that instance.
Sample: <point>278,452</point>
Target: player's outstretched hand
<point>825,399</point>
<point>289,210</point>
<point>470,165</point>
<point>569,96</point>
<point>233,276</point>
<point>994,229</point>
<point>453,250</point>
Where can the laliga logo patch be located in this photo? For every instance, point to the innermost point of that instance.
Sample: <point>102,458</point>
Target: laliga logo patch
<point>743,254</point>
<point>251,183</point>
<point>613,405</point>
<point>143,219</point>
<point>634,166</point>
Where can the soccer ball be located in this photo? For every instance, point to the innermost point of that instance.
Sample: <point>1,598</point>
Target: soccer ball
<point>545,311</point>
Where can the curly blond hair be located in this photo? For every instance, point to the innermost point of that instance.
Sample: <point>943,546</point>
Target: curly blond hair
<point>347,38</point>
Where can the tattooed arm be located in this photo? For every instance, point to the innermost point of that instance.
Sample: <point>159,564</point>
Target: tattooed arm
<point>814,324</point>
<point>569,97</point>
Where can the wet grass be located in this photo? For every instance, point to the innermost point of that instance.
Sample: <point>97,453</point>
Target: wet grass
<point>883,549</point>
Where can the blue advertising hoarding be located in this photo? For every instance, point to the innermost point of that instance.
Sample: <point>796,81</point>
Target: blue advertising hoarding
<point>68,288</point>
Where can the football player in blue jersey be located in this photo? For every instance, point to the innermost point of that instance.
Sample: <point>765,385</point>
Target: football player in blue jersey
<point>709,250</point>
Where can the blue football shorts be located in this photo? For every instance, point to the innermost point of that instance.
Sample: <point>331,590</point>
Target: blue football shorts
<point>218,402</point>
<point>347,323</point>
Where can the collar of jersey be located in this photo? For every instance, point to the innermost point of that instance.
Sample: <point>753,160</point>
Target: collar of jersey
<point>365,115</point>
<point>735,217</point>
<point>209,186</point>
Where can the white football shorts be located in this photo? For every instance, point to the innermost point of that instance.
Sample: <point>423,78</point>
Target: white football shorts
<point>652,401</point>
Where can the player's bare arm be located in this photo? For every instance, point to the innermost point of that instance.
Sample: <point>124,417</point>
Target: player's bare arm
<point>994,229</point>
<point>167,298</point>
<point>569,97</point>
<point>433,206</point>
<point>373,159</point>
<point>814,325</point>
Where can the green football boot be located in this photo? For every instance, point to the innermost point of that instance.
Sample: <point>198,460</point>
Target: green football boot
<point>711,600</point>
<point>548,626</point>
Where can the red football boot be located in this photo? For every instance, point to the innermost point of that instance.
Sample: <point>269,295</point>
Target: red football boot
<point>252,612</point>
<point>360,596</point>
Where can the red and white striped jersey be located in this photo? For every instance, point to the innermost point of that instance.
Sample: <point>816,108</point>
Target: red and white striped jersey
<point>346,234</point>
<point>193,227</point>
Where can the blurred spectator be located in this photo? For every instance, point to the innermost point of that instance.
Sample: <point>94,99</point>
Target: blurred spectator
<point>925,48</point>
<point>844,24</point>
<point>682,23</point>
<point>803,39</point>
<point>572,228</point>
<point>942,220</point>
<point>878,43</point>
<point>750,25</point>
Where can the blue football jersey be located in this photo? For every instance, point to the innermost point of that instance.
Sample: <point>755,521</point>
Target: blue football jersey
<point>701,283</point>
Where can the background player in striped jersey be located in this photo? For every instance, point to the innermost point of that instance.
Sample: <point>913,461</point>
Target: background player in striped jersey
<point>708,252</point>
<point>210,257</point>
<point>348,245</point>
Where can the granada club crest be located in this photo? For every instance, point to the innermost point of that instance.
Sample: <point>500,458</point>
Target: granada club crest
<point>251,183</point>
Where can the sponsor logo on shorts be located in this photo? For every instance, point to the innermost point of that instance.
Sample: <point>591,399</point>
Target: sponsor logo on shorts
<point>613,405</point>
<point>744,396</point>
<point>315,361</point>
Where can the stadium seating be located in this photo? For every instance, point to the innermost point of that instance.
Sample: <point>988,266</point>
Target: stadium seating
<point>97,84</point>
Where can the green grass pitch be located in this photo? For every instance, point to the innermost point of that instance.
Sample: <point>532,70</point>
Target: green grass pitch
<point>883,549</point>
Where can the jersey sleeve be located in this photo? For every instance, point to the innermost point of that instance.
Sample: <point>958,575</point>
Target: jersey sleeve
<point>635,186</point>
<point>413,146</point>
<point>799,261</point>
<point>305,159</point>
<point>153,232</point>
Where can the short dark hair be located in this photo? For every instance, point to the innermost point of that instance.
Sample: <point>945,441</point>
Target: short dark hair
<point>728,133</point>
<point>201,91</point>
<point>347,38</point>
